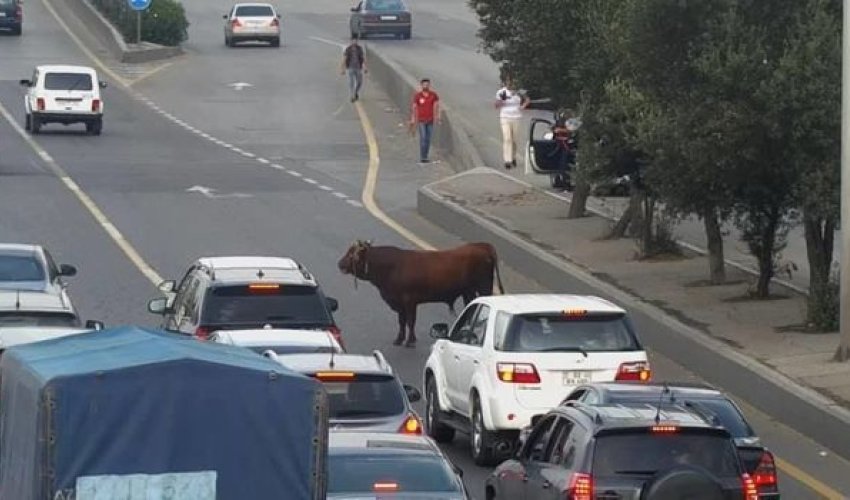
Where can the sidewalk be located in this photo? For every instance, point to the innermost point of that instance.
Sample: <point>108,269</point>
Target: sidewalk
<point>467,80</point>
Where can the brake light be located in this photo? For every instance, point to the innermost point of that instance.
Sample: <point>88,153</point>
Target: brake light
<point>203,333</point>
<point>749,486</point>
<point>263,287</point>
<point>385,486</point>
<point>275,22</point>
<point>95,105</point>
<point>334,376</point>
<point>411,425</point>
<point>235,23</point>
<point>574,313</point>
<point>664,429</point>
<point>337,333</point>
<point>517,373</point>
<point>637,371</point>
<point>581,487</point>
<point>40,103</point>
<point>765,474</point>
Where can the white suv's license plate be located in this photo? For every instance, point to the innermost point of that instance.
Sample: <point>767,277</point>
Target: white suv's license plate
<point>389,18</point>
<point>576,378</point>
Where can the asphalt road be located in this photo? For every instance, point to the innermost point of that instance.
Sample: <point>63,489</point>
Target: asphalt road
<point>285,159</point>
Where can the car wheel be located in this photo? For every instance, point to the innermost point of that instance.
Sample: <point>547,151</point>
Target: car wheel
<point>28,122</point>
<point>438,431</point>
<point>35,125</point>
<point>276,42</point>
<point>17,31</point>
<point>406,35</point>
<point>94,127</point>
<point>481,438</point>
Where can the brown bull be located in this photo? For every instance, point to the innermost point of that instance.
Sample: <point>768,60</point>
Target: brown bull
<point>407,278</point>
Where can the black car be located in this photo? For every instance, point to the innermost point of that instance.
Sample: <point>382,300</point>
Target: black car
<point>11,16</point>
<point>758,461</point>
<point>237,293</point>
<point>624,452</point>
<point>380,17</point>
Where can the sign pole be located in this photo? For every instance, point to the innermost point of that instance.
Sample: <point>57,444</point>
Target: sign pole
<point>843,352</point>
<point>138,27</point>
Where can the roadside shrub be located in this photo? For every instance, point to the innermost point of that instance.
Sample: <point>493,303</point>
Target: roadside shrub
<point>163,23</point>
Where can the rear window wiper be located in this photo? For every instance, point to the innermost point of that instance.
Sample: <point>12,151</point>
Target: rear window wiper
<point>565,349</point>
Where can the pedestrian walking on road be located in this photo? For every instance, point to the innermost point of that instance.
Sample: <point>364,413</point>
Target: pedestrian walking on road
<point>425,112</point>
<point>510,104</point>
<point>354,63</point>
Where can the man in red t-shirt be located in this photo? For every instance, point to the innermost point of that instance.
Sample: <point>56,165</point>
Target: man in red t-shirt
<point>425,111</point>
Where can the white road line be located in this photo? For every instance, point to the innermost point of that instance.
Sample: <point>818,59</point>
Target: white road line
<point>329,42</point>
<point>354,203</point>
<point>325,188</point>
<point>248,155</point>
<point>263,161</point>
<point>339,195</point>
<point>278,167</point>
<point>293,173</point>
<point>310,181</point>
<point>102,220</point>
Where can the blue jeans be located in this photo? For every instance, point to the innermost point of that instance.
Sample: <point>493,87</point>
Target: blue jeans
<point>355,81</point>
<point>425,130</point>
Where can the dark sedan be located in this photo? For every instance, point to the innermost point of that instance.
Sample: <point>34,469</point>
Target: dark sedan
<point>11,16</point>
<point>380,17</point>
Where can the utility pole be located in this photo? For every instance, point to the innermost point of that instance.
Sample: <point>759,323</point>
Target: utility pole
<point>843,352</point>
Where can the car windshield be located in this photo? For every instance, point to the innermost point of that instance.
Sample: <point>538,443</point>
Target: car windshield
<point>550,332</point>
<point>358,473</point>
<point>7,3</point>
<point>646,453</point>
<point>364,397</point>
<point>20,268</point>
<point>31,318</point>
<point>385,5</point>
<point>288,305</point>
<point>67,81</point>
<point>254,11</point>
<point>293,349</point>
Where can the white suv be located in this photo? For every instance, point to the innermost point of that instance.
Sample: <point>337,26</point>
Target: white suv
<point>66,95</point>
<point>511,358</point>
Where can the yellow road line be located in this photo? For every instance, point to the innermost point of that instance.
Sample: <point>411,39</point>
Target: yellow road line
<point>369,186</point>
<point>157,69</point>
<point>808,480</point>
<point>102,220</point>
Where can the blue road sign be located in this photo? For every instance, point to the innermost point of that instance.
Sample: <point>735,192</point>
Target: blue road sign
<point>139,4</point>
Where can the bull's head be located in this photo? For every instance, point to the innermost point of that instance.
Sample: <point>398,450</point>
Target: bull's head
<point>354,260</point>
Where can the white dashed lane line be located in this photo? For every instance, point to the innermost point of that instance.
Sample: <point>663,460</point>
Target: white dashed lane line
<point>247,154</point>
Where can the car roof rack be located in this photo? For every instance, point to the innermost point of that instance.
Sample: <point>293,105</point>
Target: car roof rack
<point>382,361</point>
<point>589,410</point>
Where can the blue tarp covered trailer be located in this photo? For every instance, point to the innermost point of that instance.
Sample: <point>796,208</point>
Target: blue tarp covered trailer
<point>134,413</point>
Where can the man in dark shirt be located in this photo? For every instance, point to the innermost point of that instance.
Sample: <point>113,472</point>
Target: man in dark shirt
<point>354,63</point>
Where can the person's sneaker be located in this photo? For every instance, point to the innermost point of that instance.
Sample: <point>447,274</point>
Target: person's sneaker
<point>507,165</point>
<point>513,164</point>
<point>425,161</point>
<point>357,96</point>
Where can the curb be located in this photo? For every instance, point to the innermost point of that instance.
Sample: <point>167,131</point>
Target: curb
<point>112,39</point>
<point>783,398</point>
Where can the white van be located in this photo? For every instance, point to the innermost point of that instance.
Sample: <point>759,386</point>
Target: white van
<point>66,95</point>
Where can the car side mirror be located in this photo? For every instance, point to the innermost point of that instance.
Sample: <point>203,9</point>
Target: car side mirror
<point>167,286</point>
<point>355,9</point>
<point>439,331</point>
<point>25,83</point>
<point>413,394</point>
<point>457,470</point>
<point>103,85</point>
<point>158,305</point>
<point>332,303</point>
<point>94,325</point>
<point>225,16</point>
<point>67,270</point>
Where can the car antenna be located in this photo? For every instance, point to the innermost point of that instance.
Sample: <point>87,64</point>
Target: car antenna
<point>664,391</point>
<point>331,364</point>
<point>17,299</point>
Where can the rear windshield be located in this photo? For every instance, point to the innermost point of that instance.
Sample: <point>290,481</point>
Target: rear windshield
<point>67,81</point>
<point>29,318</point>
<point>349,473</point>
<point>293,306</point>
<point>7,3</point>
<point>384,5</point>
<point>646,454</point>
<point>20,268</point>
<point>364,397</point>
<point>553,333</point>
<point>727,415</point>
<point>254,11</point>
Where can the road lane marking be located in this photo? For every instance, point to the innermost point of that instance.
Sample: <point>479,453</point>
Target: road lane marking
<point>325,188</point>
<point>368,196</point>
<point>329,42</point>
<point>95,211</point>
<point>263,161</point>
<point>339,195</point>
<point>808,480</point>
<point>310,181</point>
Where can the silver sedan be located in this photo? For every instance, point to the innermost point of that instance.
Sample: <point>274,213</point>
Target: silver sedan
<point>252,22</point>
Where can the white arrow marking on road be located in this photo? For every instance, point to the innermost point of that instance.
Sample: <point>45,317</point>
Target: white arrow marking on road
<point>240,85</point>
<point>211,194</point>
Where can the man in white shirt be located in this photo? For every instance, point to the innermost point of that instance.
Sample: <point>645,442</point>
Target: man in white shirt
<point>510,104</point>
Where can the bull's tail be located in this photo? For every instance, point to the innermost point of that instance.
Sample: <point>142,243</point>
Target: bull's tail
<point>498,276</point>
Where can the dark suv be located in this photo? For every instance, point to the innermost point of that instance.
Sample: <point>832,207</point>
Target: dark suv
<point>230,293</point>
<point>758,461</point>
<point>11,16</point>
<point>624,452</point>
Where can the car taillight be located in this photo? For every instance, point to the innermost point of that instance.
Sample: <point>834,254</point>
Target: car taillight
<point>385,486</point>
<point>411,425</point>
<point>638,371</point>
<point>749,487</point>
<point>275,22</point>
<point>337,333</point>
<point>581,487</point>
<point>95,105</point>
<point>203,333</point>
<point>235,23</point>
<point>40,103</point>
<point>517,373</point>
<point>765,474</point>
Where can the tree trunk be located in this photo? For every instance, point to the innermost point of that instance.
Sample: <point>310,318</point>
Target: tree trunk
<point>620,227</point>
<point>636,200</point>
<point>646,247</point>
<point>714,238</point>
<point>578,205</point>
<point>765,255</point>
<point>820,236</point>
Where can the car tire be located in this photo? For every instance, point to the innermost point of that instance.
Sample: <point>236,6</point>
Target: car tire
<point>435,429</point>
<point>481,439</point>
<point>406,35</point>
<point>228,42</point>
<point>276,42</point>
<point>94,127</point>
<point>35,125</point>
<point>28,123</point>
<point>17,31</point>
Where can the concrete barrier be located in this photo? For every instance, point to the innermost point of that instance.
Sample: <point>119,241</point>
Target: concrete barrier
<point>450,136</point>
<point>107,34</point>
